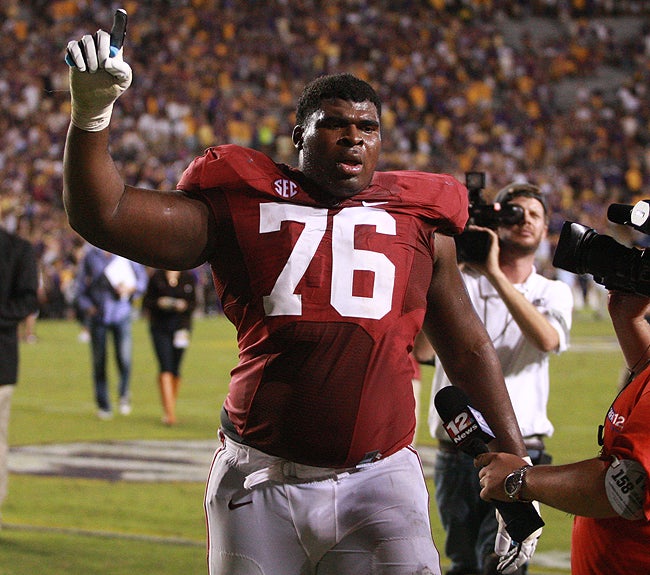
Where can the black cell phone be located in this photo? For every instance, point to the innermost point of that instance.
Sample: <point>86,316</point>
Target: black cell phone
<point>118,31</point>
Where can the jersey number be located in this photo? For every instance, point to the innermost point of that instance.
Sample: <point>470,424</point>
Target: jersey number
<point>346,259</point>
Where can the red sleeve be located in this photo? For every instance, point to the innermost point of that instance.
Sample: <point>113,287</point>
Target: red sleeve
<point>439,198</point>
<point>225,166</point>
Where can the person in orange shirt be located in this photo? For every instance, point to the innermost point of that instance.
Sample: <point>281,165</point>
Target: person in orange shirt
<point>608,494</point>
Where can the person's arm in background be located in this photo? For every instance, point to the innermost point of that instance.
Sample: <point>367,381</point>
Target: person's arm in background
<point>423,351</point>
<point>628,312</point>
<point>82,284</point>
<point>165,229</point>
<point>465,350</point>
<point>141,279</point>
<point>190,297</point>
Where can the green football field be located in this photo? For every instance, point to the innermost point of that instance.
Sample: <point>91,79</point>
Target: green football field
<point>81,516</point>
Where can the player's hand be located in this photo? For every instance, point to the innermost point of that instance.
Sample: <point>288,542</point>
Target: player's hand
<point>512,554</point>
<point>97,80</point>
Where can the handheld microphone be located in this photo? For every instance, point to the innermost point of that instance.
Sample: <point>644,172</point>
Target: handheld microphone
<point>636,216</point>
<point>469,433</point>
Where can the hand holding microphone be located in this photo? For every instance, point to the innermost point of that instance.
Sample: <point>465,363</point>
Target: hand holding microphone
<point>98,75</point>
<point>520,524</point>
<point>494,468</point>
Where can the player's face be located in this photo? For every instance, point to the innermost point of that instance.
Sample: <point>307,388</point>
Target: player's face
<point>527,235</point>
<point>339,146</point>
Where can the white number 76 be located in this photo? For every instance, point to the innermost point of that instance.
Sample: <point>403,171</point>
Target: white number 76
<point>345,259</point>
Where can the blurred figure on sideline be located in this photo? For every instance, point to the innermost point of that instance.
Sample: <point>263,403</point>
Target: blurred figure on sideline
<point>528,317</point>
<point>608,494</point>
<point>105,287</point>
<point>169,302</point>
<point>18,299</point>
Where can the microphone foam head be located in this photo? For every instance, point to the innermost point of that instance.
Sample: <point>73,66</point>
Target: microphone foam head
<point>449,402</point>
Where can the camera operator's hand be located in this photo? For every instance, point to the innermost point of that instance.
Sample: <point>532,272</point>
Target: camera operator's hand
<point>97,79</point>
<point>628,306</point>
<point>490,267</point>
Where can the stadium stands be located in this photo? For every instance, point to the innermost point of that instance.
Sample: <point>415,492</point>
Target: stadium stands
<point>554,92</point>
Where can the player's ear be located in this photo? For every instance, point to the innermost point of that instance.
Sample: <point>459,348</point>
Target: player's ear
<point>296,137</point>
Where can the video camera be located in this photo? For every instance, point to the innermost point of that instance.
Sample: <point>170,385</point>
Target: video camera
<point>474,245</point>
<point>581,250</point>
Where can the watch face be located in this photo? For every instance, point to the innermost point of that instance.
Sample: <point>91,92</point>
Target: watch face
<point>513,484</point>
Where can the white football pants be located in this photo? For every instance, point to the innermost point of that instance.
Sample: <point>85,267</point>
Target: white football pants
<point>269,516</point>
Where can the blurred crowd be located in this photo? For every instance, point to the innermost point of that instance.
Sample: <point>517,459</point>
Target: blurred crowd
<point>466,84</point>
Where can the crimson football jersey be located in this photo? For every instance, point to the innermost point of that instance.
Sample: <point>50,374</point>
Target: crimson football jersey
<point>327,296</point>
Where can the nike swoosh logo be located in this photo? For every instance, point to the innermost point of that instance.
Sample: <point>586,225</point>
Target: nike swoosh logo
<point>232,505</point>
<point>371,204</point>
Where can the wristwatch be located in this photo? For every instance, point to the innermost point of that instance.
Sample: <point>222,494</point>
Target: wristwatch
<point>514,483</point>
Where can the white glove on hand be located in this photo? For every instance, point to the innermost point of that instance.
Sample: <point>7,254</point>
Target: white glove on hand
<point>514,555</point>
<point>96,80</point>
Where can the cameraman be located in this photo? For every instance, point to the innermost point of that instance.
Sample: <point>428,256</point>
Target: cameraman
<point>610,494</point>
<point>527,317</point>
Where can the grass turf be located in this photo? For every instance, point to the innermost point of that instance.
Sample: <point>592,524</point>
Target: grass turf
<point>59,525</point>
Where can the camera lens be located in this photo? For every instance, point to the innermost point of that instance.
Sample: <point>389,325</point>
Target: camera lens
<point>582,250</point>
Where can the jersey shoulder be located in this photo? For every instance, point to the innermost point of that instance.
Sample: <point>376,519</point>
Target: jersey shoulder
<point>438,197</point>
<point>228,166</point>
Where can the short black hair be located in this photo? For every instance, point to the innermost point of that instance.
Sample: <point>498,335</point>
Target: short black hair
<point>343,86</point>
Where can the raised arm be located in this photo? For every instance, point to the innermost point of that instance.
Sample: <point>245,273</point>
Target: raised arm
<point>628,312</point>
<point>465,349</point>
<point>164,229</point>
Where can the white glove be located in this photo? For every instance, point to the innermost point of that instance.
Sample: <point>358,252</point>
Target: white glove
<point>97,79</point>
<point>514,555</point>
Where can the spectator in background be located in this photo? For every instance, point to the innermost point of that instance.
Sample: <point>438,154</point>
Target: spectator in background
<point>169,302</point>
<point>106,285</point>
<point>528,317</point>
<point>522,120</point>
<point>18,299</point>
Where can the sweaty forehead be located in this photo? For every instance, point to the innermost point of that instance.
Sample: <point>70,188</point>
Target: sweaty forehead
<point>346,108</point>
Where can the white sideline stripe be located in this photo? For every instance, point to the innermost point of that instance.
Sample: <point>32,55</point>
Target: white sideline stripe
<point>104,534</point>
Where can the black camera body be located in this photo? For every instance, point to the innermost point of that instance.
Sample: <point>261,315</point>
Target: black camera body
<point>474,245</point>
<point>582,250</point>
